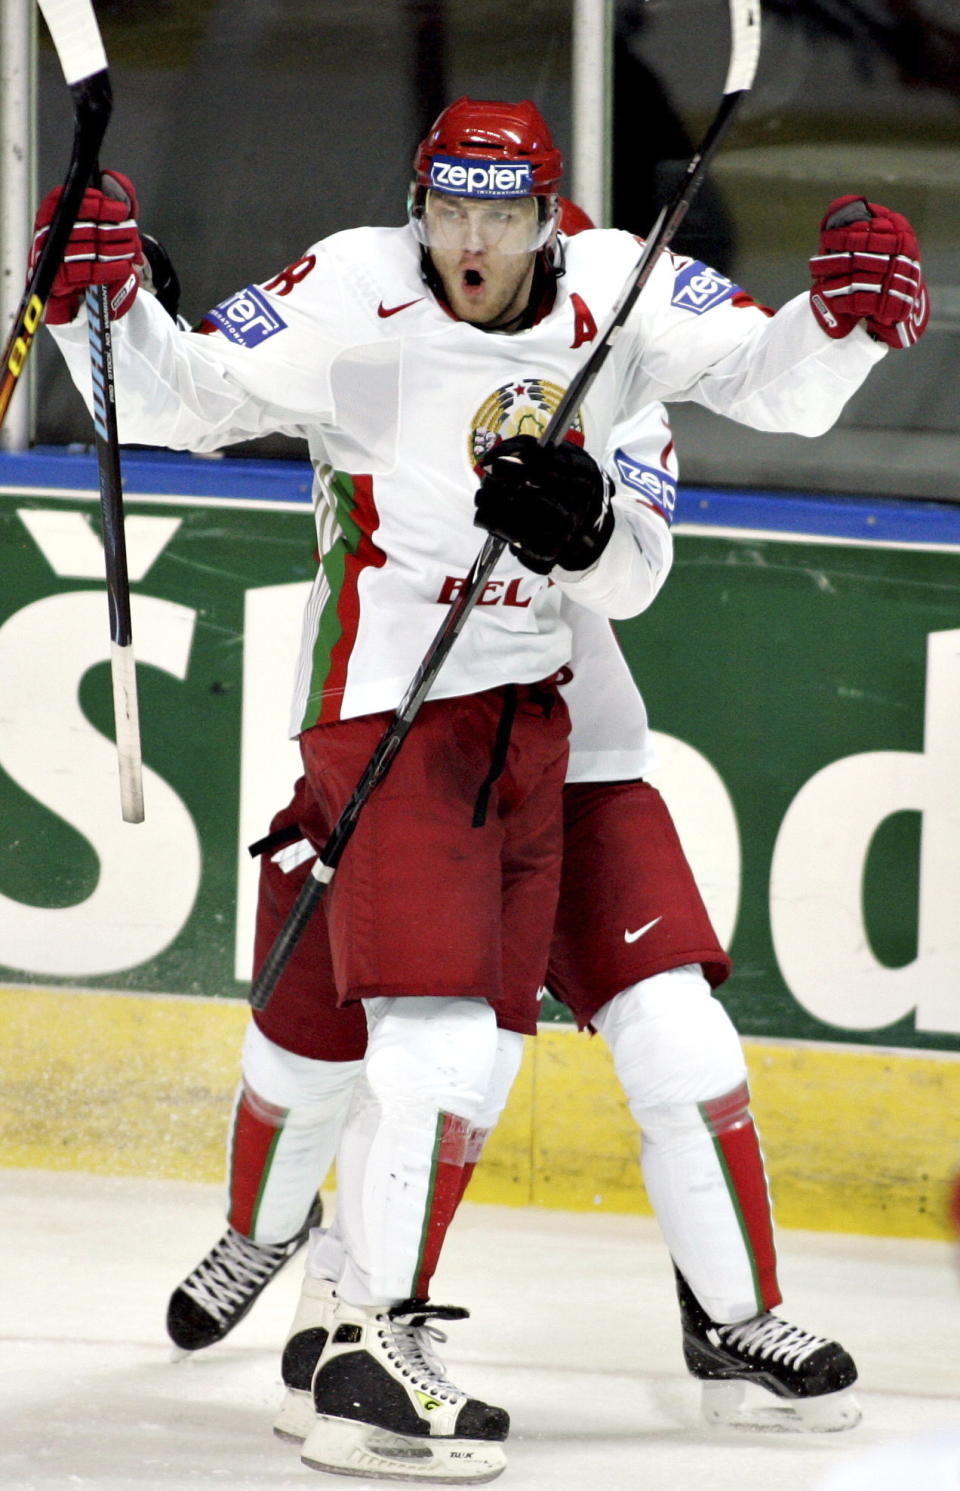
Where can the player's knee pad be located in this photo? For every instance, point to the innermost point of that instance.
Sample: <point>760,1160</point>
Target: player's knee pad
<point>286,1080</point>
<point>440,1052</point>
<point>673,1043</point>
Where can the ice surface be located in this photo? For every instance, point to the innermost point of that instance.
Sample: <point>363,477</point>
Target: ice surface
<point>573,1328</point>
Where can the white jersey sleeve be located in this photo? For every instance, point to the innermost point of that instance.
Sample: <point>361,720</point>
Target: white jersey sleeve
<point>609,738</point>
<point>695,335</point>
<point>632,569</point>
<point>784,375</point>
<point>199,393</point>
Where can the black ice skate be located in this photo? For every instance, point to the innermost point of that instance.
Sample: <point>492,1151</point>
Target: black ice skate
<point>223,1287</point>
<point>765,1373</point>
<point>387,1409</point>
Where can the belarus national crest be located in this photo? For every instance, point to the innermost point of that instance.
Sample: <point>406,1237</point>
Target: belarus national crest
<point>524,406</point>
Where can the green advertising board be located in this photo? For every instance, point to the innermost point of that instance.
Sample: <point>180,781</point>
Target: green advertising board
<point>801,669</point>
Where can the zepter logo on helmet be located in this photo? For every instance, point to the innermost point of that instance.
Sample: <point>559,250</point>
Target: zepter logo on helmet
<point>486,176</point>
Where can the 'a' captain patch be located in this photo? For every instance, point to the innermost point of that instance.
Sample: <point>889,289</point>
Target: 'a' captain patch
<point>247,318</point>
<point>699,288</point>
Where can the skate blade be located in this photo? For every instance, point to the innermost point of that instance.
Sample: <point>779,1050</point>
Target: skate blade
<point>295,1417</point>
<point>346,1447</point>
<point>747,1405</point>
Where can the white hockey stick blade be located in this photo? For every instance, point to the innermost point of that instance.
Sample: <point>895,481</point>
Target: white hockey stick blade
<point>127,724</point>
<point>744,45</point>
<point>75,34</point>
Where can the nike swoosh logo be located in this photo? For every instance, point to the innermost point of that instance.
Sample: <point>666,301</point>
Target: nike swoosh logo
<point>634,936</point>
<point>384,311</point>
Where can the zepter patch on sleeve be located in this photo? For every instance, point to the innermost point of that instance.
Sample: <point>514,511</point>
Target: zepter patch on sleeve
<point>698,288</point>
<point>246,317</point>
<point>655,487</point>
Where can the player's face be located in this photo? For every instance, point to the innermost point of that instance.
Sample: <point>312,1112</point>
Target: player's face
<point>483,255</point>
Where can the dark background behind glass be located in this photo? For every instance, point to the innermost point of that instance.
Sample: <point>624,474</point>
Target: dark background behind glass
<point>253,127</point>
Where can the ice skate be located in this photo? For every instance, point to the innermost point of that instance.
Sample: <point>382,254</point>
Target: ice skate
<point>308,1336</point>
<point>216,1295</point>
<point>764,1373</point>
<point>387,1409</point>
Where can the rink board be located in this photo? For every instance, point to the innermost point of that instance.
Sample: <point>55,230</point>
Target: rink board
<point>124,1084</point>
<point>802,670</point>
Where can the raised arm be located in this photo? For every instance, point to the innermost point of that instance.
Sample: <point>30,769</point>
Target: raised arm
<point>173,388</point>
<point>700,337</point>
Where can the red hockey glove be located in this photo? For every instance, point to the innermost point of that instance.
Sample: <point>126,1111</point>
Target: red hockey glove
<point>552,505</point>
<point>103,249</point>
<point>869,268</point>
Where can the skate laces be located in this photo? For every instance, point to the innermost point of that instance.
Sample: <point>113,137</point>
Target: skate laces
<point>233,1269</point>
<point>773,1339</point>
<point>411,1341</point>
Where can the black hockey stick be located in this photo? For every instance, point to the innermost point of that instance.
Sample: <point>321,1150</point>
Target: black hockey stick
<point>123,670</point>
<point>744,54</point>
<point>76,37</point>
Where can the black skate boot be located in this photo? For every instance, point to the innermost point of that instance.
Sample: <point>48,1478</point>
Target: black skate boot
<point>765,1372</point>
<point>386,1407</point>
<point>305,1342</point>
<point>216,1295</point>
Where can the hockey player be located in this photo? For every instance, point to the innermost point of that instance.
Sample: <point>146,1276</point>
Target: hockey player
<point>405,356</point>
<point>631,925</point>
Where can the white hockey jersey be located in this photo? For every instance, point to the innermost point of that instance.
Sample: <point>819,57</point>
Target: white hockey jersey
<point>397,400</point>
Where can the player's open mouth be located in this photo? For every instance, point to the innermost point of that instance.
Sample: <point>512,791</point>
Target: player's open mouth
<point>472,281</point>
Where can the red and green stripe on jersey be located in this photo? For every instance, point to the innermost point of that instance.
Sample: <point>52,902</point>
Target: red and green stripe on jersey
<point>337,604</point>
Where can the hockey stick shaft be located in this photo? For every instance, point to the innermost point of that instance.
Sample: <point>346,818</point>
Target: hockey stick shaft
<point>76,37</point>
<point>744,53</point>
<point>122,664</point>
<point>123,671</point>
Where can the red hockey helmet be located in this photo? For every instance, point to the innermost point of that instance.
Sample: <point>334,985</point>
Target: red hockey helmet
<point>482,148</point>
<point>573,219</point>
<point>486,150</point>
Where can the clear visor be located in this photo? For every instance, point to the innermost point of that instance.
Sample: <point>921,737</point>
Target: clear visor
<point>513,225</point>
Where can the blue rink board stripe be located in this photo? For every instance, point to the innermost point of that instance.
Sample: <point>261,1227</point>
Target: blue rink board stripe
<point>161,474</point>
<point>905,520</point>
<point>168,473</point>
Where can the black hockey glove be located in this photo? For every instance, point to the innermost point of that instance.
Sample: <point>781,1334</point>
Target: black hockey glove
<point>550,503</point>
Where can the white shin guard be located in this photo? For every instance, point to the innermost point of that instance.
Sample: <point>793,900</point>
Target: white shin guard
<point>325,1254</point>
<point>679,1059</point>
<point>287,1117</point>
<point>428,1074</point>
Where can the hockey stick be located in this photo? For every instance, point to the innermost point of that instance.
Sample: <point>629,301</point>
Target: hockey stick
<point>744,55</point>
<point>76,37</point>
<point>73,30</point>
<point>123,670</point>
